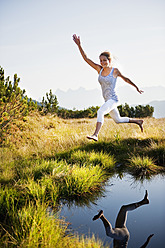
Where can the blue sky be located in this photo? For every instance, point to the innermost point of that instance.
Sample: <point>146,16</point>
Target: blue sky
<point>36,41</point>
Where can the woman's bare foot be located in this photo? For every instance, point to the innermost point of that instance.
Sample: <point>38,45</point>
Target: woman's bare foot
<point>97,216</point>
<point>145,200</point>
<point>138,122</point>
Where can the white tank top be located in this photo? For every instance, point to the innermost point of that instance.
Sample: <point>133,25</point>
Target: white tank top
<point>108,84</point>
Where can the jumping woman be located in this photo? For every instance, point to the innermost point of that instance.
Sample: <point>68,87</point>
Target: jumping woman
<point>107,79</point>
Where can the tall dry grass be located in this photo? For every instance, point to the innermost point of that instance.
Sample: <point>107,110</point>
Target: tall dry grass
<point>45,136</point>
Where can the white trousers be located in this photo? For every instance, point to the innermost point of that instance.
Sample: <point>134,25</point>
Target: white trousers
<point>110,107</point>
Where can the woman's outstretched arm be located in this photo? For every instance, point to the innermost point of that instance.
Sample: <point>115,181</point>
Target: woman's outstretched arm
<point>127,80</point>
<point>89,61</point>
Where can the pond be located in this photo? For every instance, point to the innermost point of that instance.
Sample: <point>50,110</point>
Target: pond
<point>141,222</point>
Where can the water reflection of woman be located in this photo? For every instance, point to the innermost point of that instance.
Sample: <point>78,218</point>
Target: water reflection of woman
<point>120,233</point>
<point>107,79</point>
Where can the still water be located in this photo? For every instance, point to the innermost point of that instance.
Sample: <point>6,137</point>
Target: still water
<point>141,222</point>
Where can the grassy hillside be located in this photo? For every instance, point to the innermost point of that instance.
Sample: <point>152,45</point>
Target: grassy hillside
<point>47,159</point>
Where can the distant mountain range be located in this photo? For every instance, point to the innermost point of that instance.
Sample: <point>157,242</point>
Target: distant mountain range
<point>82,98</point>
<point>79,99</point>
<point>159,108</point>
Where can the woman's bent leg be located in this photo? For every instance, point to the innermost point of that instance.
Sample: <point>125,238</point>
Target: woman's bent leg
<point>118,119</point>
<point>122,215</point>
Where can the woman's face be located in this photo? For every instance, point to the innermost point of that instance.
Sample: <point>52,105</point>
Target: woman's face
<point>104,62</point>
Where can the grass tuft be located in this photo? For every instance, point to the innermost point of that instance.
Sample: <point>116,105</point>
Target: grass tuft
<point>142,166</point>
<point>105,160</point>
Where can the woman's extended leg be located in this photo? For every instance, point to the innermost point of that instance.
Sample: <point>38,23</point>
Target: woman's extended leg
<point>118,119</point>
<point>122,215</point>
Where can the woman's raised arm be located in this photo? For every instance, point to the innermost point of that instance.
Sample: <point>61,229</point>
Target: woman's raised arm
<point>90,62</point>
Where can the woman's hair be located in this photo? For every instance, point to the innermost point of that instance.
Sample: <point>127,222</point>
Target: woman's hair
<point>106,54</point>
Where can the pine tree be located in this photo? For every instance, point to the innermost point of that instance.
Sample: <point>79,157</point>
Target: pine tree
<point>50,105</point>
<point>14,105</point>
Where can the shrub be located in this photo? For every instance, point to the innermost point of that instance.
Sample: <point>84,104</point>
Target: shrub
<point>14,105</point>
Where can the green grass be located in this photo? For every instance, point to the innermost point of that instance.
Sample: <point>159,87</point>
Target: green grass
<point>142,166</point>
<point>46,160</point>
<point>105,160</point>
<point>82,181</point>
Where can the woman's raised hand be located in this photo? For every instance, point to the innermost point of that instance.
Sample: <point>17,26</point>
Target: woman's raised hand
<point>76,39</point>
<point>89,61</point>
<point>140,91</point>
